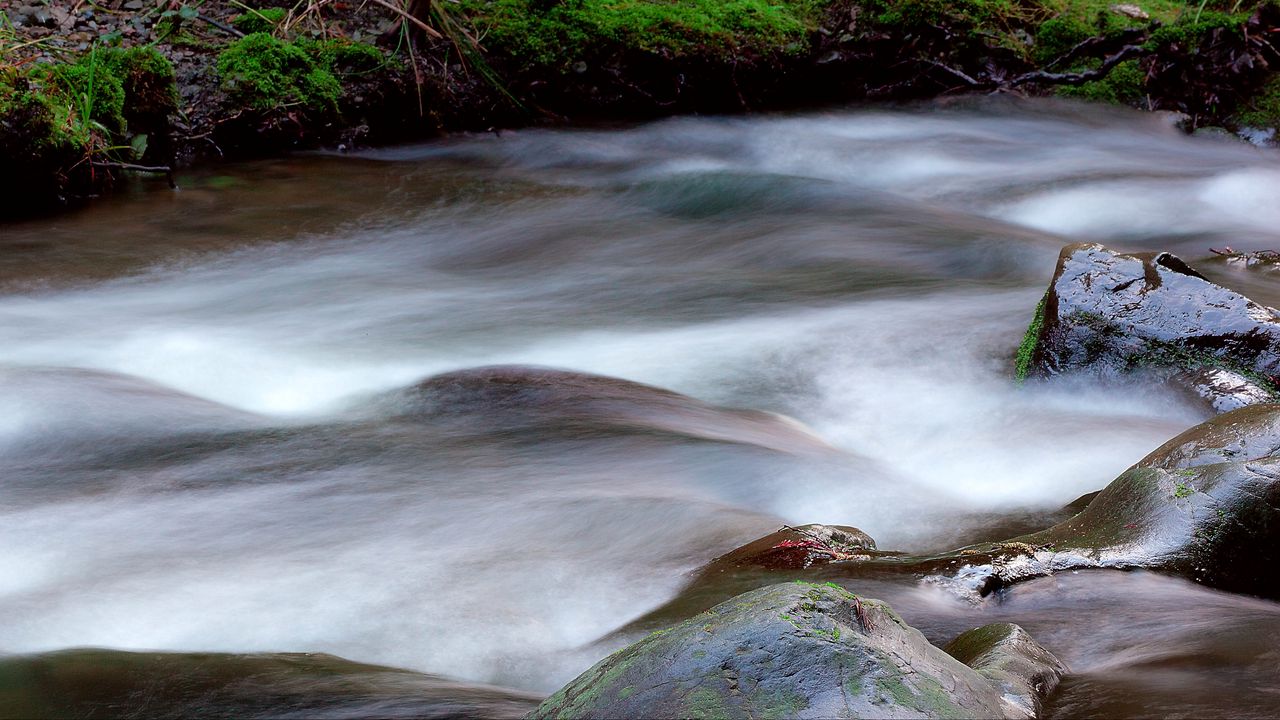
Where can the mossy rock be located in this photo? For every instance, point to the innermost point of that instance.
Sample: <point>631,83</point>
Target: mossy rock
<point>793,650</point>
<point>1114,313</point>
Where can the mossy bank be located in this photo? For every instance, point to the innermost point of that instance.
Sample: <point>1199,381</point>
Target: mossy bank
<point>90,94</point>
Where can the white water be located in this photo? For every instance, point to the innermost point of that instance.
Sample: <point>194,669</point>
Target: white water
<point>868,273</point>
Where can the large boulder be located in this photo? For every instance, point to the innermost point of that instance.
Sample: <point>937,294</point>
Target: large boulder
<point>1010,659</point>
<point>523,400</point>
<point>792,650</point>
<point>1118,312</point>
<point>93,683</point>
<point>1205,505</point>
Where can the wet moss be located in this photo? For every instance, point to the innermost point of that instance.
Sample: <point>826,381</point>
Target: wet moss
<point>38,126</point>
<point>1125,84</point>
<point>265,74</point>
<point>1263,110</point>
<point>148,80</point>
<point>1057,35</point>
<point>775,704</point>
<point>91,85</point>
<point>262,20</point>
<point>559,34</point>
<point>345,58</point>
<point>1030,341</point>
<point>706,704</point>
<point>1192,29</point>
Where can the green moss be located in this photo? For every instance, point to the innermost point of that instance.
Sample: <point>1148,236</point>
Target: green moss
<point>93,87</point>
<point>1191,30</point>
<point>1030,341</point>
<point>553,33</point>
<point>266,73</point>
<point>344,57</point>
<point>1158,353</point>
<point>1263,109</point>
<point>1182,490</point>
<point>915,13</point>
<point>1057,35</point>
<point>776,704</point>
<point>38,127</point>
<point>706,704</point>
<point>1124,84</point>
<point>261,20</point>
<point>148,79</point>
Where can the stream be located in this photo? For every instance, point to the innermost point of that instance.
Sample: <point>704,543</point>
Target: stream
<point>207,434</point>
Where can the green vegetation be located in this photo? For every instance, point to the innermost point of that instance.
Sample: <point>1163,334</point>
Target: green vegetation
<point>55,115</point>
<point>562,34</point>
<point>1030,341</point>
<point>1124,84</point>
<point>1264,110</point>
<point>261,20</point>
<point>96,92</point>
<point>1191,29</point>
<point>266,73</point>
<point>1182,490</point>
<point>148,81</point>
<point>344,57</point>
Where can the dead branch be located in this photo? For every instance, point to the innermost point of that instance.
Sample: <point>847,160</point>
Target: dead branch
<point>1047,78</point>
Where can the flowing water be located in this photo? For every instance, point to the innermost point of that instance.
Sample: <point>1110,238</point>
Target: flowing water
<point>209,440</point>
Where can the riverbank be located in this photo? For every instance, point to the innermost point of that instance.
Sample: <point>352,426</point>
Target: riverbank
<point>92,91</point>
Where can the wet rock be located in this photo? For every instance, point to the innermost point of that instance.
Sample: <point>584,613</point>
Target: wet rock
<point>1116,312</point>
<point>1129,10</point>
<point>520,400</point>
<point>91,683</point>
<point>1020,668</point>
<point>1224,390</point>
<point>798,548</point>
<point>791,650</point>
<point>1205,505</point>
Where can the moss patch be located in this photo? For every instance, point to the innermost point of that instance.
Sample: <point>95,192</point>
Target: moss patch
<point>1030,341</point>
<point>561,34</point>
<point>260,20</point>
<point>1124,84</point>
<point>266,73</point>
<point>1263,110</point>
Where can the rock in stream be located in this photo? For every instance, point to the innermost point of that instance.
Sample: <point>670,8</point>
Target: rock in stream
<point>795,650</point>
<point>1115,312</point>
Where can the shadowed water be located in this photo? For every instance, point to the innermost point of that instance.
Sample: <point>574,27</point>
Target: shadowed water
<point>211,439</point>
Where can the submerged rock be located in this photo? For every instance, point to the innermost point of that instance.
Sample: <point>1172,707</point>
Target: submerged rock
<point>1116,312</point>
<point>1018,666</point>
<point>519,399</point>
<point>92,683</point>
<point>792,650</point>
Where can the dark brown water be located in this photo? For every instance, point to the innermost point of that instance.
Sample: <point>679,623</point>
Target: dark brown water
<point>202,448</point>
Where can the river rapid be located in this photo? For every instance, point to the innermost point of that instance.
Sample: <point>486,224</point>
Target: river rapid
<point>205,446</point>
